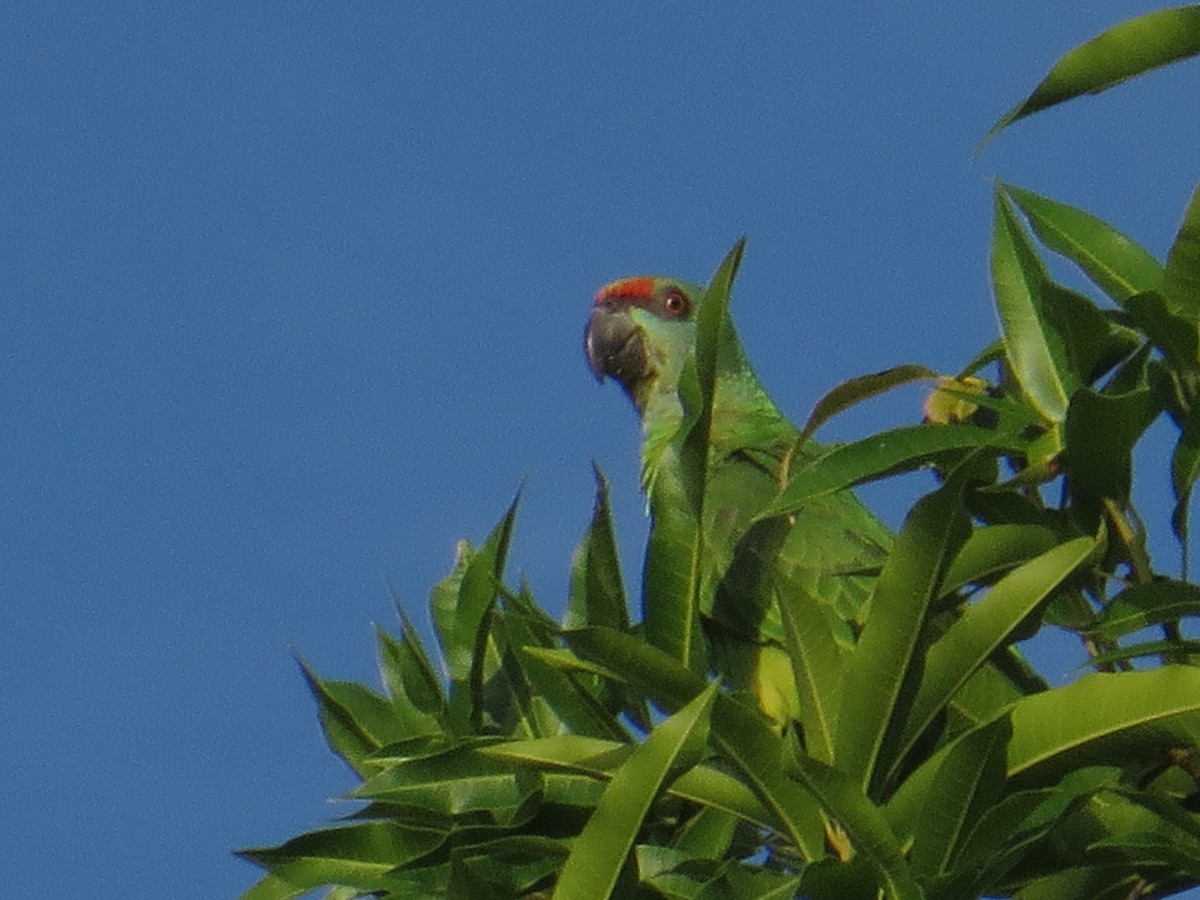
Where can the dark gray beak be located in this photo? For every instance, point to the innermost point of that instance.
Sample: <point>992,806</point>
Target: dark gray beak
<point>613,344</point>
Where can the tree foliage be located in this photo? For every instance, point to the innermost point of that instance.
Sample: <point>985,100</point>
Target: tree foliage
<point>579,759</point>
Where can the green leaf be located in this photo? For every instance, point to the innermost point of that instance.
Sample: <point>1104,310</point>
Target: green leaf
<point>353,855</point>
<point>983,629</point>
<point>673,580</point>
<point>993,549</point>
<point>1101,430</point>
<point>1129,49</point>
<point>1119,266</point>
<point>1111,718</point>
<point>599,759</point>
<point>1185,469</point>
<point>1175,336</point>
<point>457,782</point>
<point>415,689</point>
<point>1143,605</point>
<point>884,669</point>
<point>599,853</point>
<point>356,720</point>
<point>856,390</point>
<point>1035,351</point>
<point>887,453</point>
<point>1181,287</point>
<point>969,783</point>
<point>462,608</point>
<point>597,595</point>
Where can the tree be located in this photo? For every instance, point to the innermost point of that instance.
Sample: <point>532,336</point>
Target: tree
<point>577,759</point>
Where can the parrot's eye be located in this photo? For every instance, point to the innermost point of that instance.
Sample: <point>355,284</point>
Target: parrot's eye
<point>675,303</point>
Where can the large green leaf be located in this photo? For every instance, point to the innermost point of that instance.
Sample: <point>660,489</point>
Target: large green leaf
<point>898,450</point>
<point>969,783</point>
<point>1118,265</point>
<point>1129,49</point>
<point>600,759</point>
<point>1104,718</point>
<point>982,630</point>
<point>786,781</point>
<point>856,390</point>
<point>1034,350</point>
<point>884,670</point>
<point>600,852</point>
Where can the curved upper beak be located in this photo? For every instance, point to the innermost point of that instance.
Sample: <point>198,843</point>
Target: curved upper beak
<point>613,344</point>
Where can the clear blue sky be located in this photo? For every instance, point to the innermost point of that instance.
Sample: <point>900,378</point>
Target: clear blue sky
<point>291,298</point>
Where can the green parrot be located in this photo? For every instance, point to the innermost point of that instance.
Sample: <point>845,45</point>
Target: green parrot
<point>641,332</point>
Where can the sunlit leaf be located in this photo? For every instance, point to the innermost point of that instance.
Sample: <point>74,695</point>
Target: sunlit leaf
<point>856,390</point>
<point>1119,266</point>
<point>1129,49</point>
<point>881,674</point>
<point>597,596</point>
<point>1034,350</point>
<point>598,854</point>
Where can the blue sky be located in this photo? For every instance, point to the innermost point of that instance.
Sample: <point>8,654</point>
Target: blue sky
<point>291,298</point>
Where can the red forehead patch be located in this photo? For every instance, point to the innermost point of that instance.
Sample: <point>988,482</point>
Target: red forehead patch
<point>641,288</point>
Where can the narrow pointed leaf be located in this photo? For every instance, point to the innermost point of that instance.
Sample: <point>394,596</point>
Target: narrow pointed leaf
<point>354,855</point>
<point>672,584</point>
<point>1034,351</point>
<point>1119,266</point>
<point>969,783</point>
<point>599,853</point>
<point>883,670</point>
<point>597,594</point>
<point>887,453</point>
<point>983,629</point>
<point>1122,52</point>
<point>1185,470</point>
<point>1144,605</point>
<point>856,390</point>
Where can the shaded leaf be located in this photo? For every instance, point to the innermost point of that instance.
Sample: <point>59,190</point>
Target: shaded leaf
<point>354,855</point>
<point>1101,430</point>
<point>969,783</point>
<point>1181,286</point>
<point>1106,718</point>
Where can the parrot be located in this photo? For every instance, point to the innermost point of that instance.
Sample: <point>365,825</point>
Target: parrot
<point>640,333</point>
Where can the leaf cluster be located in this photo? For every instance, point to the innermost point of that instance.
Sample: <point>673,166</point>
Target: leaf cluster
<point>924,758</point>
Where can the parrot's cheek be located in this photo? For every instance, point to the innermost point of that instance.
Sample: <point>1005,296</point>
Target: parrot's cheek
<point>614,347</point>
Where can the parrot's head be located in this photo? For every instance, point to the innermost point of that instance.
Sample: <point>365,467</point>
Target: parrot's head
<point>640,333</point>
